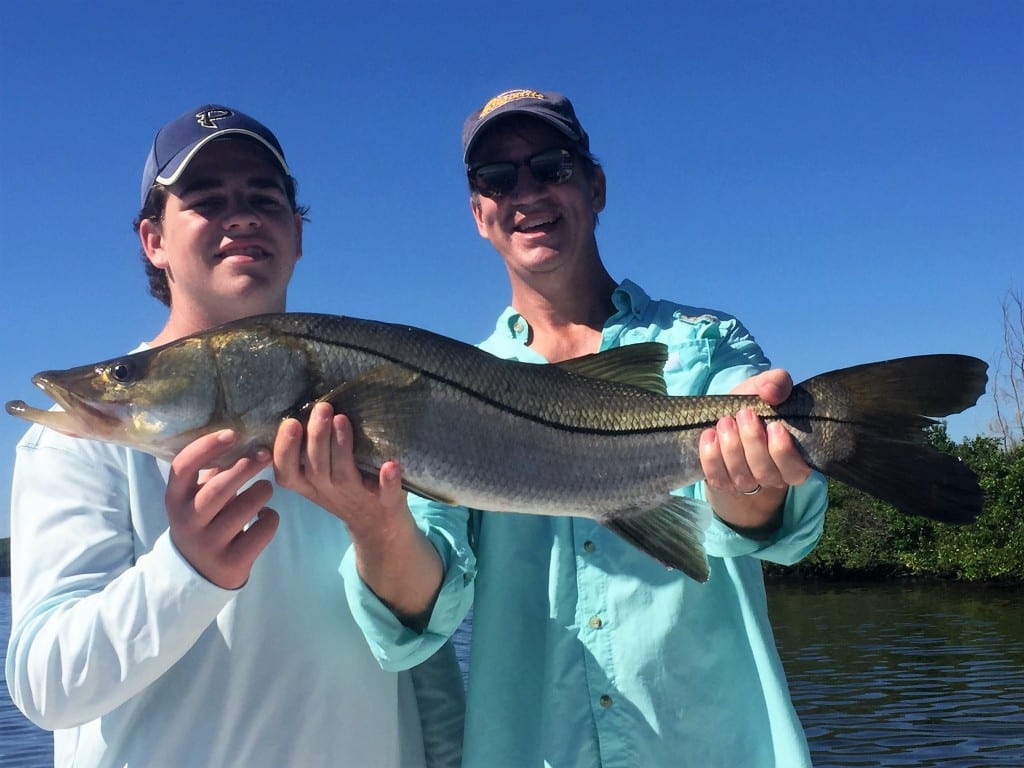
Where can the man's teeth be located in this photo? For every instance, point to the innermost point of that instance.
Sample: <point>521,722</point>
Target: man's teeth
<point>254,252</point>
<point>537,224</point>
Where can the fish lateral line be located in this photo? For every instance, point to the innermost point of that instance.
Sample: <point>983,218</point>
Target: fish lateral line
<point>553,423</point>
<point>483,397</point>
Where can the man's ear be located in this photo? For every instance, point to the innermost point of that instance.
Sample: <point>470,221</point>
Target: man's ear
<point>598,186</point>
<point>152,237</point>
<point>478,216</point>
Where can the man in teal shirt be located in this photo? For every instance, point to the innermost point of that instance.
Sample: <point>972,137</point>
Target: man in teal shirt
<point>585,651</point>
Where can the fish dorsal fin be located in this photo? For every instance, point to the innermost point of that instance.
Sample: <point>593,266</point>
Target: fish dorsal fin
<point>639,365</point>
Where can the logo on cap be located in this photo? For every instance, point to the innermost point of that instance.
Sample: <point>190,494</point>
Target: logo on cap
<point>208,117</point>
<point>504,98</point>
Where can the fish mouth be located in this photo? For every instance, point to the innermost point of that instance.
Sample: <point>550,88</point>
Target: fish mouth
<point>79,417</point>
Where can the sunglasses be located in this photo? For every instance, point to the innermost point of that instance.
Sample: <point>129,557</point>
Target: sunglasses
<point>493,180</point>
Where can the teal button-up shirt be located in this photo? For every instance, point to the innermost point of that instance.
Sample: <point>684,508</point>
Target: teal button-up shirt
<point>585,651</point>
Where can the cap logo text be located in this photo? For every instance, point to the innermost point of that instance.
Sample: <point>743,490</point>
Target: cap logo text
<point>504,98</point>
<point>208,117</point>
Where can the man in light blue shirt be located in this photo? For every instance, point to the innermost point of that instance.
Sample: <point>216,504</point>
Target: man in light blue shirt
<point>585,651</point>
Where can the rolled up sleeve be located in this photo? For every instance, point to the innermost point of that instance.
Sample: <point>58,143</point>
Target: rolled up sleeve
<point>396,646</point>
<point>803,519</point>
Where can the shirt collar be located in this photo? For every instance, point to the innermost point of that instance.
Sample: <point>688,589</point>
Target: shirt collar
<point>512,325</point>
<point>628,298</point>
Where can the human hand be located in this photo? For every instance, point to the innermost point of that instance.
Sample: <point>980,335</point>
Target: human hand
<point>393,557</point>
<point>741,454</point>
<point>318,462</point>
<point>208,512</point>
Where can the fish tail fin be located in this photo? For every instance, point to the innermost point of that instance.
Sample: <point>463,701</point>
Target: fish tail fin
<point>871,432</point>
<point>672,533</point>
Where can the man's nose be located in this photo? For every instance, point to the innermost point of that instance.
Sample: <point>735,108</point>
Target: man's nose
<point>527,186</point>
<point>241,213</point>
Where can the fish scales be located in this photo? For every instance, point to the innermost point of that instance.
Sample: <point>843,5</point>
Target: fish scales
<point>537,439</point>
<point>538,392</point>
<point>482,408</point>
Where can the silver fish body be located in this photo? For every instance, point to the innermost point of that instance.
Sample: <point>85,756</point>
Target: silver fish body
<point>593,437</point>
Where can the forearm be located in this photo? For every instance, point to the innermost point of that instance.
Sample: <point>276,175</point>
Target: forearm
<point>397,645</point>
<point>83,651</point>
<point>800,523</point>
<point>403,569</point>
<point>757,515</point>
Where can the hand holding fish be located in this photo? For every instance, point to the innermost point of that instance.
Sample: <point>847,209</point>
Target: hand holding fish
<point>392,554</point>
<point>750,465</point>
<point>317,461</point>
<point>208,512</point>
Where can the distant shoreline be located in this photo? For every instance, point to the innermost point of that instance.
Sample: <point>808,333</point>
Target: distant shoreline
<point>772,573</point>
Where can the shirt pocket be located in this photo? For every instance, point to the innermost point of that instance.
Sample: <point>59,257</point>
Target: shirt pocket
<point>688,367</point>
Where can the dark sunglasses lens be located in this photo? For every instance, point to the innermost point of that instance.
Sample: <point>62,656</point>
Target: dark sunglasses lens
<point>495,179</point>
<point>552,167</point>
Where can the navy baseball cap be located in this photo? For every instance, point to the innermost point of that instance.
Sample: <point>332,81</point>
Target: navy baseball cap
<point>553,108</point>
<point>181,139</point>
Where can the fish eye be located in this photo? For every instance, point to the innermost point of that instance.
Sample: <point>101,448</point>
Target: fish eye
<point>122,372</point>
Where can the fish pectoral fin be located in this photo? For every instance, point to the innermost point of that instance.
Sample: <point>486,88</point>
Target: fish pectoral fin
<point>672,533</point>
<point>385,406</point>
<point>639,365</point>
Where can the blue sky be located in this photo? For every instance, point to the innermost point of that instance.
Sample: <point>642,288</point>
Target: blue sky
<point>846,177</point>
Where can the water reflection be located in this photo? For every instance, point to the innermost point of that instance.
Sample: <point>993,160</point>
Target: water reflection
<point>882,675</point>
<point>905,674</point>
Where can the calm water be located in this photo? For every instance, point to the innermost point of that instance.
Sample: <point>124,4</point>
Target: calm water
<point>882,675</point>
<point>905,675</point>
<point>22,745</point>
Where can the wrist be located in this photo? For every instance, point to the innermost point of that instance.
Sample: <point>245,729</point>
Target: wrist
<point>754,515</point>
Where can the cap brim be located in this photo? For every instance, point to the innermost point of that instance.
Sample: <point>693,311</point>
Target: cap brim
<point>495,117</point>
<point>181,161</point>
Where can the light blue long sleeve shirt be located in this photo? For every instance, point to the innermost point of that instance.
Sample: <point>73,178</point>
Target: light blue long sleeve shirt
<point>585,651</point>
<point>134,659</point>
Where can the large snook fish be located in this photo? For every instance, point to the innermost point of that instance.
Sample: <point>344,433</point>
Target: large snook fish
<point>595,436</point>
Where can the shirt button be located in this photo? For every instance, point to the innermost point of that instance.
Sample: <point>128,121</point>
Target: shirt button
<point>588,546</point>
<point>595,622</point>
<point>606,701</point>
<point>518,327</point>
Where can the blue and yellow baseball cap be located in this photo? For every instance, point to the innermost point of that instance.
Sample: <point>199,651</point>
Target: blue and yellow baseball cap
<point>553,108</point>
